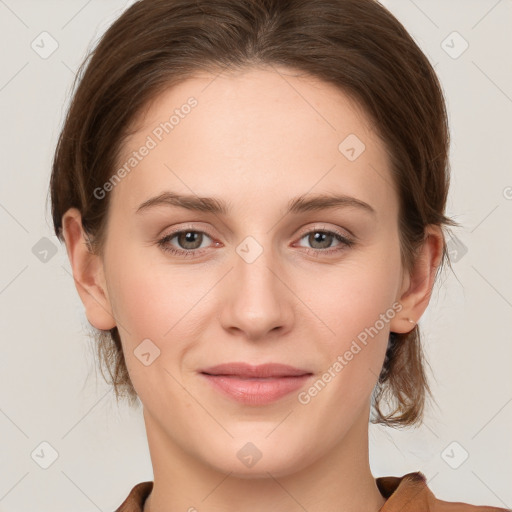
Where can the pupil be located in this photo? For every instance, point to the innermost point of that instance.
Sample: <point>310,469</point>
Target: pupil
<point>320,237</point>
<point>188,239</point>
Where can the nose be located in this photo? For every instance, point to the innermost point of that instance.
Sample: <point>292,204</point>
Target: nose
<point>257,300</point>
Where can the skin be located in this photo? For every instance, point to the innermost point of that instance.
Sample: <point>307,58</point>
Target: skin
<point>256,139</point>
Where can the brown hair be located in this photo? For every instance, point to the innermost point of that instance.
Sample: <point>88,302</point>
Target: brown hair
<point>356,45</point>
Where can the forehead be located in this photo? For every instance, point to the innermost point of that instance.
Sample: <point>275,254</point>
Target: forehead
<point>256,133</point>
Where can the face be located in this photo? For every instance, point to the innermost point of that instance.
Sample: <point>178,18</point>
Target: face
<point>253,280</point>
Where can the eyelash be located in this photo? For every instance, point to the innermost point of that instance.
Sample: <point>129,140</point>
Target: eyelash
<point>163,243</point>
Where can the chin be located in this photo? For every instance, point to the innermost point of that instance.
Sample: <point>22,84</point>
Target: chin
<point>258,458</point>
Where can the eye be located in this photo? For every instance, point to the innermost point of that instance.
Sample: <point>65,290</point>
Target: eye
<point>321,241</point>
<point>189,240</point>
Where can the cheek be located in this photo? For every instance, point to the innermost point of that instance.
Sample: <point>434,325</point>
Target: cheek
<point>167,304</point>
<point>147,292</point>
<point>352,297</point>
<point>359,310</point>
<point>140,301</point>
<point>149,305</point>
<point>357,303</point>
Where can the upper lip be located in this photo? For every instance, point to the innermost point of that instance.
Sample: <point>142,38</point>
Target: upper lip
<point>248,370</point>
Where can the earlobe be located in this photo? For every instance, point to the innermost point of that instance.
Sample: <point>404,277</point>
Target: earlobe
<point>417,286</point>
<point>88,272</point>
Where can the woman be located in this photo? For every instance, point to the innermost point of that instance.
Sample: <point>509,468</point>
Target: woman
<point>252,196</point>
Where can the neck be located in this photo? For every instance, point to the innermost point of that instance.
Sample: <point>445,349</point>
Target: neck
<point>340,480</point>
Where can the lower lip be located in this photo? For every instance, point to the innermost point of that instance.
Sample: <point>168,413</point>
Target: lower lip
<point>256,391</point>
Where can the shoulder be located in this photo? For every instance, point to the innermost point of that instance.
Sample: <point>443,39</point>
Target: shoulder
<point>411,492</point>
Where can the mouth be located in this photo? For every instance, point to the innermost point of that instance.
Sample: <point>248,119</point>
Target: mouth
<point>255,385</point>
<point>245,370</point>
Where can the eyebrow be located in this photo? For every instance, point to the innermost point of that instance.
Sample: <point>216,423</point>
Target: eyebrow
<point>300,204</point>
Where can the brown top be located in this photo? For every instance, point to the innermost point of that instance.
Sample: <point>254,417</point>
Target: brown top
<point>408,493</point>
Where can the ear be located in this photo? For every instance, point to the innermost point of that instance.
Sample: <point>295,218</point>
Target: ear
<point>88,272</point>
<point>417,285</point>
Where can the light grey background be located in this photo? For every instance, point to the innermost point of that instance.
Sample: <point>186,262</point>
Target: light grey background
<point>50,389</point>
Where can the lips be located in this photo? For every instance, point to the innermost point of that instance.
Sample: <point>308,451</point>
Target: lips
<point>244,370</point>
<point>255,385</point>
